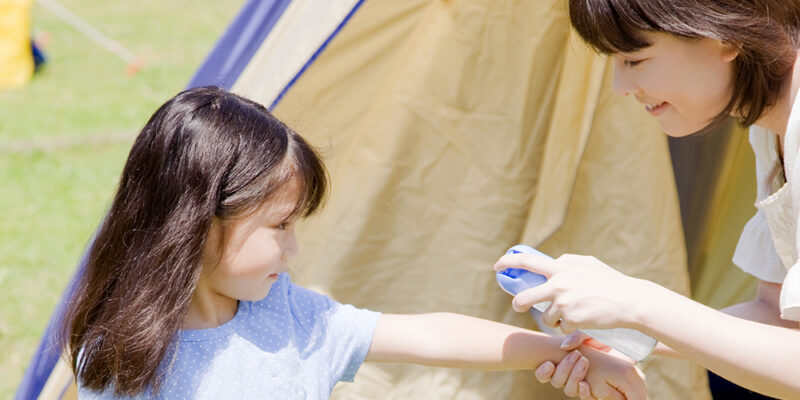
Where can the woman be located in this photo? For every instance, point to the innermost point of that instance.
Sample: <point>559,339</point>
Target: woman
<point>691,65</point>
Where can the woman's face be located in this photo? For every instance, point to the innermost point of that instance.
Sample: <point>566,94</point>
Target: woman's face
<point>684,83</point>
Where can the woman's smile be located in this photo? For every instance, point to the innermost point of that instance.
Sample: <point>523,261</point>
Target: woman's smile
<point>656,109</point>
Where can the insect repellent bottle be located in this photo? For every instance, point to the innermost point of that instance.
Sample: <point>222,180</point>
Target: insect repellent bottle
<point>630,342</point>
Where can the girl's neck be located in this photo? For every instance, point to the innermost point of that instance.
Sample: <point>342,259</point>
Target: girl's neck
<point>209,309</point>
<point>777,116</point>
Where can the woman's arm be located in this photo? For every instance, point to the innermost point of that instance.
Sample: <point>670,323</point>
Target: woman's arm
<point>761,357</point>
<point>764,308</point>
<point>459,341</point>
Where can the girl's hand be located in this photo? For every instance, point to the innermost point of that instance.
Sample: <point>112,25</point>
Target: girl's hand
<point>585,293</point>
<point>612,376</point>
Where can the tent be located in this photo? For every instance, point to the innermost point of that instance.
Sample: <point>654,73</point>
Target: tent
<point>453,130</point>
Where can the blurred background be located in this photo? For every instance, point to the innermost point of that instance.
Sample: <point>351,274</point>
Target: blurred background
<point>433,140</point>
<point>64,137</point>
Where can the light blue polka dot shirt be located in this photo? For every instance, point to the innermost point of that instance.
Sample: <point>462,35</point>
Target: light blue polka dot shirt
<point>294,344</point>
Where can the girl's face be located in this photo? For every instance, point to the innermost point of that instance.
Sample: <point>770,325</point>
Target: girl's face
<point>684,83</point>
<point>255,249</point>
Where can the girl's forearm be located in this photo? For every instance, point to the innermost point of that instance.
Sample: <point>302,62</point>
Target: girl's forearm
<point>459,341</point>
<point>761,357</point>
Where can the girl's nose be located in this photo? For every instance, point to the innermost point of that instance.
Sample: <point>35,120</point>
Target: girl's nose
<point>291,249</point>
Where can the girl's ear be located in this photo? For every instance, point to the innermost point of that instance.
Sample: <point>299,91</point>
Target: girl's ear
<point>729,51</point>
<point>214,243</point>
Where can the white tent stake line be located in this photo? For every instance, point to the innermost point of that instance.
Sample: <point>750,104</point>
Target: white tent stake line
<point>133,62</point>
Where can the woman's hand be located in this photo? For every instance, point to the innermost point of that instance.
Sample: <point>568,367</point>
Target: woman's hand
<point>570,372</point>
<point>593,373</point>
<point>585,293</point>
<point>612,375</point>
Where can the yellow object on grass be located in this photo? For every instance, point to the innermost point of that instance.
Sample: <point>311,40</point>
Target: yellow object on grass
<point>16,59</point>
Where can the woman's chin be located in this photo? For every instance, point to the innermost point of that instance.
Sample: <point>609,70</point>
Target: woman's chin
<point>679,130</point>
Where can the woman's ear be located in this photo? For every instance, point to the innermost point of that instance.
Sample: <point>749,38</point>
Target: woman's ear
<point>729,51</point>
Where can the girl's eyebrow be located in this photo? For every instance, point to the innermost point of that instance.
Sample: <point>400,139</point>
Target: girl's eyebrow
<point>284,213</point>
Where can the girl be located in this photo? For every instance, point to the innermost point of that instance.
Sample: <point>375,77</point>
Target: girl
<point>692,64</point>
<point>186,292</point>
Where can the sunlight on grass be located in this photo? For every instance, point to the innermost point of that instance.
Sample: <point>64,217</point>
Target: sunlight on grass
<point>55,201</point>
<point>64,139</point>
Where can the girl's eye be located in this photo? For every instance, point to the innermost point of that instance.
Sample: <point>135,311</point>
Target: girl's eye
<point>283,225</point>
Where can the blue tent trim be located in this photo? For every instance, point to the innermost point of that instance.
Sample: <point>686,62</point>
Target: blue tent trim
<point>222,68</point>
<point>316,53</point>
<point>239,43</point>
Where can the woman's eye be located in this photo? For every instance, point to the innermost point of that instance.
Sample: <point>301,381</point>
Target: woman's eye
<point>632,63</point>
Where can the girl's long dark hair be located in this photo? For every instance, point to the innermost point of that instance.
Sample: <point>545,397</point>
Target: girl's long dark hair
<point>767,33</point>
<point>204,153</point>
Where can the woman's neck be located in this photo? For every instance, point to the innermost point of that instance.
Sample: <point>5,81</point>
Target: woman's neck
<point>776,117</point>
<point>208,309</point>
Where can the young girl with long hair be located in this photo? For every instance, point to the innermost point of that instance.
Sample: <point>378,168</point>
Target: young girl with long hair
<point>186,292</point>
<point>693,64</point>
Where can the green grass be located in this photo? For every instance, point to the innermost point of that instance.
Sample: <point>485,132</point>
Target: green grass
<point>63,141</point>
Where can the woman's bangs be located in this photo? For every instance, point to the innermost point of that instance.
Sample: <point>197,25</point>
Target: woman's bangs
<point>609,26</point>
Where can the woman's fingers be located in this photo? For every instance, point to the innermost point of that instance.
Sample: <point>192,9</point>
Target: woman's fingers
<point>596,344</point>
<point>551,317</point>
<point>534,263</point>
<point>608,393</point>
<point>636,391</point>
<point>545,371</point>
<point>578,338</point>
<point>584,391</point>
<point>576,376</point>
<point>573,341</point>
<point>525,299</point>
<point>564,369</point>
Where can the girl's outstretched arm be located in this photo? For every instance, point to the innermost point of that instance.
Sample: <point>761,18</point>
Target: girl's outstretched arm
<point>459,341</point>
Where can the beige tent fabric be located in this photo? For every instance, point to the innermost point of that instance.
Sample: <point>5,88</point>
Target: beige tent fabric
<point>453,130</point>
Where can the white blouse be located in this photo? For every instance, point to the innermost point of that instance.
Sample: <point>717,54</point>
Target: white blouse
<point>767,248</point>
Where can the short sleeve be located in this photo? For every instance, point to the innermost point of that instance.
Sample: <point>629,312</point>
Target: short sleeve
<point>755,253</point>
<point>352,330</point>
<point>790,295</point>
<point>341,333</point>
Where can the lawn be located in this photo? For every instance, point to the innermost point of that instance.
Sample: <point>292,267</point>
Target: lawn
<point>64,138</point>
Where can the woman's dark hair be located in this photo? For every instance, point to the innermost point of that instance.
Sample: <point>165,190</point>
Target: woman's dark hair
<point>205,153</point>
<point>765,32</point>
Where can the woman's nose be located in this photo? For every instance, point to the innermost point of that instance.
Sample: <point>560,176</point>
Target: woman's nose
<point>623,84</point>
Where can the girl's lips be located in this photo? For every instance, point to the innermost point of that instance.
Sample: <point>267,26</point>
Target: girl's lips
<point>656,109</point>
